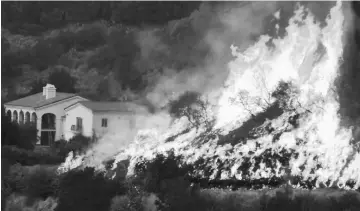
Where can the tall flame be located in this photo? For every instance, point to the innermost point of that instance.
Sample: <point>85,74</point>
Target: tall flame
<point>309,56</point>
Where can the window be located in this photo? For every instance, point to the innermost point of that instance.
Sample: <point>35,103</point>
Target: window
<point>104,122</point>
<point>79,123</point>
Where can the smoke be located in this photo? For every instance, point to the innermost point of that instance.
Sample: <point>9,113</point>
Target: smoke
<point>200,43</point>
<point>123,132</point>
<point>211,29</point>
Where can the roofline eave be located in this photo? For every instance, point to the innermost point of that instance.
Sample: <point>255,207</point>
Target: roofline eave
<point>20,106</point>
<point>56,102</point>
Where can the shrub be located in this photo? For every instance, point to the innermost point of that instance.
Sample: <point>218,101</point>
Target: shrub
<point>79,143</point>
<point>36,182</point>
<point>162,167</point>
<point>86,190</point>
<point>59,147</point>
<point>15,203</point>
<point>41,183</point>
<point>27,136</point>
<point>165,177</point>
<point>177,194</point>
<point>120,203</point>
<point>29,158</point>
<point>14,181</point>
<point>47,205</point>
<point>23,136</point>
<point>19,203</point>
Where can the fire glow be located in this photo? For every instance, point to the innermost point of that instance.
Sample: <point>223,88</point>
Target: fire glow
<point>309,57</point>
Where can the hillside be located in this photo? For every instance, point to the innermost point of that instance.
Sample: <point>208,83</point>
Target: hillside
<point>275,119</point>
<point>89,41</point>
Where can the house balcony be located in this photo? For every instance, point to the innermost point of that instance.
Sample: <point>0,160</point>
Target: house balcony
<point>76,129</point>
<point>48,127</point>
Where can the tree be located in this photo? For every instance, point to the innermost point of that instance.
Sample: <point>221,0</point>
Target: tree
<point>62,80</point>
<point>193,107</point>
<point>286,95</point>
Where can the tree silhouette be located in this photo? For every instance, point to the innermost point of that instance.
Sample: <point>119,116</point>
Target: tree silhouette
<point>62,80</point>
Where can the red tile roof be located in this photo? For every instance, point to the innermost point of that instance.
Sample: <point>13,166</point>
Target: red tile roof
<point>101,106</point>
<point>38,100</point>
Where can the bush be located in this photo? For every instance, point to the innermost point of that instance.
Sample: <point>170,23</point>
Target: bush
<point>59,147</point>
<point>78,143</point>
<point>86,190</point>
<point>28,158</point>
<point>151,173</point>
<point>120,203</point>
<point>19,203</point>
<point>33,181</point>
<point>41,183</point>
<point>23,136</point>
<point>27,136</point>
<point>165,177</point>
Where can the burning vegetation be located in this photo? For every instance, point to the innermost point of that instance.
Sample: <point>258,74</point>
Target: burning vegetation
<point>275,120</point>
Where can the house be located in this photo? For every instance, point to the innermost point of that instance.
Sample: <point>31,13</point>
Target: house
<point>60,115</point>
<point>100,118</point>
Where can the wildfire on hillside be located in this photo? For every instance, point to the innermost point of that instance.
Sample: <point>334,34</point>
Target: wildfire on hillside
<point>277,115</point>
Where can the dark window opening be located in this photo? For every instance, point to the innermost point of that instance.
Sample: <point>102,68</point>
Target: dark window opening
<point>79,124</point>
<point>104,122</point>
<point>47,138</point>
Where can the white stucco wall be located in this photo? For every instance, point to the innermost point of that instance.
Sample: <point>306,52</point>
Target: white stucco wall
<point>116,121</point>
<point>87,120</point>
<point>58,110</point>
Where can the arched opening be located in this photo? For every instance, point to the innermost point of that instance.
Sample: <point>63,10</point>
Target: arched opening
<point>15,116</point>
<point>34,118</point>
<point>8,114</point>
<point>27,117</point>
<point>48,121</point>
<point>48,129</point>
<point>21,117</point>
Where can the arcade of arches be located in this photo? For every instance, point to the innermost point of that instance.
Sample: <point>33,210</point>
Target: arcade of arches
<point>22,117</point>
<point>47,128</point>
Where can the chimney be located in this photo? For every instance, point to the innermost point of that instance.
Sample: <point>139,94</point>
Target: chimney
<point>49,91</point>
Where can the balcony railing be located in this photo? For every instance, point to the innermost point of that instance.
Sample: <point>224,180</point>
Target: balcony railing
<point>52,127</point>
<point>76,128</point>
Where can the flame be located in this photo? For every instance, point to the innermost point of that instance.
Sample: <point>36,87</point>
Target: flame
<point>309,56</point>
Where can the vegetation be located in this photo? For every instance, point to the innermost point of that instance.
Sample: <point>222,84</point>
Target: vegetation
<point>94,49</point>
<point>86,189</point>
<point>77,144</point>
<point>195,109</point>
<point>23,136</point>
<point>77,187</point>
